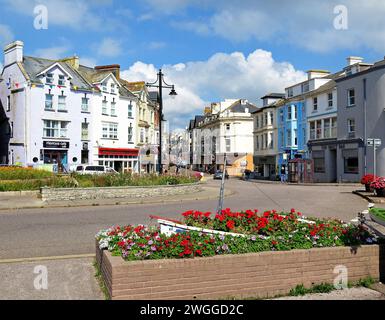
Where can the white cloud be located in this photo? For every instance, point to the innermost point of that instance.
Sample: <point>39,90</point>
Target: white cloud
<point>109,47</point>
<point>75,14</point>
<point>54,53</point>
<point>88,62</point>
<point>306,24</point>
<point>154,45</point>
<point>221,76</point>
<point>6,35</point>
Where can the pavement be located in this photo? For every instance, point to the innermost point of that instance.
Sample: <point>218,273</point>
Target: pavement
<point>345,294</point>
<point>62,238</point>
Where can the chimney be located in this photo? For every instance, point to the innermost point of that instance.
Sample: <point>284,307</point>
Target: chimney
<point>72,61</point>
<point>353,60</point>
<point>311,74</point>
<point>13,53</point>
<point>114,68</point>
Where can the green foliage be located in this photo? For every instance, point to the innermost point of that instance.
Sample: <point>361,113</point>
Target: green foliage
<point>378,212</point>
<point>366,282</point>
<point>16,173</point>
<point>300,290</point>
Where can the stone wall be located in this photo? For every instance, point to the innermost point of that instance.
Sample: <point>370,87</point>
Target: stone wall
<point>262,275</point>
<point>64,194</point>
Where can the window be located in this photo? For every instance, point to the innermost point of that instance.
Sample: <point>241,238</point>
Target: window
<point>312,130</point>
<point>266,143</point>
<point>281,115</point>
<point>265,119</point>
<point>351,128</point>
<point>318,133</point>
<point>228,144</point>
<point>129,113</point>
<point>289,113</point>
<point>49,78</point>
<point>257,142</point>
<point>142,136</point>
<point>85,131</point>
<point>334,128</point>
<point>290,92</point>
<point>271,144</point>
<point>305,87</point>
<point>319,161</point>
<point>295,112</point>
<point>271,118</point>
<point>85,104</point>
<point>113,108</point>
<point>62,80</point>
<point>288,132</point>
<point>330,100</point>
<point>227,125</point>
<point>282,139</point>
<point>110,130</point>
<point>129,135</point>
<point>350,161</point>
<point>49,102</point>
<point>104,87</point>
<point>62,103</point>
<point>351,98</point>
<point>112,88</point>
<point>257,122</point>
<point>315,104</point>
<point>55,129</point>
<point>104,107</point>
<point>8,103</point>
<point>295,136</point>
<point>327,133</point>
<point>11,130</point>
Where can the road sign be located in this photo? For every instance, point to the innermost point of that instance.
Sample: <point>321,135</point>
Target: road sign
<point>374,142</point>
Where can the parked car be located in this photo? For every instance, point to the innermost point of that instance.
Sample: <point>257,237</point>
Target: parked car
<point>90,169</point>
<point>219,174</point>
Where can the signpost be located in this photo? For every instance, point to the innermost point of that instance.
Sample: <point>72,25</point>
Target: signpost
<point>374,143</point>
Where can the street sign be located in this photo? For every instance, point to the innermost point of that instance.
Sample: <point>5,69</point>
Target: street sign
<point>374,142</point>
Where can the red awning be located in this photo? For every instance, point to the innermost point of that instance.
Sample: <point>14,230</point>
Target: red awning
<point>118,152</point>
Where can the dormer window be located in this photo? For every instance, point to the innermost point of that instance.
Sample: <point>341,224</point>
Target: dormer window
<point>290,92</point>
<point>305,87</point>
<point>62,80</point>
<point>104,87</point>
<point>112,88</point>
<point>49,78</point>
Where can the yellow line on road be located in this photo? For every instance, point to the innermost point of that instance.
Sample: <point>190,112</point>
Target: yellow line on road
<point>35,259</point>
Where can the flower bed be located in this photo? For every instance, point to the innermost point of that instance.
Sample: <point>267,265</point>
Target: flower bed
<point>16,173</point>
<point>269,231</point>
<point>378,184</point>
<point>367,181</point>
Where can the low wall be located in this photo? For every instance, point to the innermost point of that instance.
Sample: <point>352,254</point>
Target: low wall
<point>262,275</point>
<point>63,194</point>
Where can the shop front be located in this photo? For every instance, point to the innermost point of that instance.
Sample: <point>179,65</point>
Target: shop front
<point>56,153</point>
<point>265,167</point>
<point>120,159</point>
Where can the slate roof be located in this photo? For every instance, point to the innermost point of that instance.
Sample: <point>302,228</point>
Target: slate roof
<point>238,107</point>
<point>33,66</point>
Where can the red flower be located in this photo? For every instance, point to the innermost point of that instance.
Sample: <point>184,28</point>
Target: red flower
<point>274,243</point>
<point>230,224</point>
<point>198,252</point>
<point>207,214</point>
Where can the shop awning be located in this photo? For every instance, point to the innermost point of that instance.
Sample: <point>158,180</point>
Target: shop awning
<point>118,152</point>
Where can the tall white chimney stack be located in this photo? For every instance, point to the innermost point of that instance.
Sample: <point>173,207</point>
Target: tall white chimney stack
<point>13,53</point>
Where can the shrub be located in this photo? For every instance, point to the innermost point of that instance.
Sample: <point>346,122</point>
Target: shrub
<point>367,179</point>
<point>16,173</point>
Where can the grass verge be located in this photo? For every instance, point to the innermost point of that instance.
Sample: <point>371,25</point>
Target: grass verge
<point>99,278</point>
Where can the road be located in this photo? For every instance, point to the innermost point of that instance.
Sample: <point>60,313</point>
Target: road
<point>71,231</point>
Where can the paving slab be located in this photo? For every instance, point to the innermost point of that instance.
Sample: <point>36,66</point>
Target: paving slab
<point>67,279</point>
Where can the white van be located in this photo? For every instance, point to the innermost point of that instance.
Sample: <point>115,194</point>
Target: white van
<point>91,169</point>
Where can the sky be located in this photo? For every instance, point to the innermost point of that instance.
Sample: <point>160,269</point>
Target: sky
<point>211,50</point>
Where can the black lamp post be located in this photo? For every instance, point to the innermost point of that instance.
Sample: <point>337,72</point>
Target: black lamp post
<point>160,84</point>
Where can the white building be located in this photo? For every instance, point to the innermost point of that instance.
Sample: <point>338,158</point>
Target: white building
<point>227,128</point>
<point>64,113</point>
<point>266,136</point>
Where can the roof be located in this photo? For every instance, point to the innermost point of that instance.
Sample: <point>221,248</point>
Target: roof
<point>33,66</point>
<point>135,86</point>
<point>154,96</point>
<point>274,95</point>
<point>238,107</point>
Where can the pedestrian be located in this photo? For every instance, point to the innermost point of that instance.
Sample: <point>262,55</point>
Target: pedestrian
<point>247,174</point>
<point>283,174</point>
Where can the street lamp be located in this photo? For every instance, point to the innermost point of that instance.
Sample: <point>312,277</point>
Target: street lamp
<point>160,84</point>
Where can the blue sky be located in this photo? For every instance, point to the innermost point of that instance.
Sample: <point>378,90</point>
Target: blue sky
<point>211,50</point>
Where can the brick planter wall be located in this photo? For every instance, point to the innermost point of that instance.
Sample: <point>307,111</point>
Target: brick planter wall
<point>262,275</point>
<point>63,194</point>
